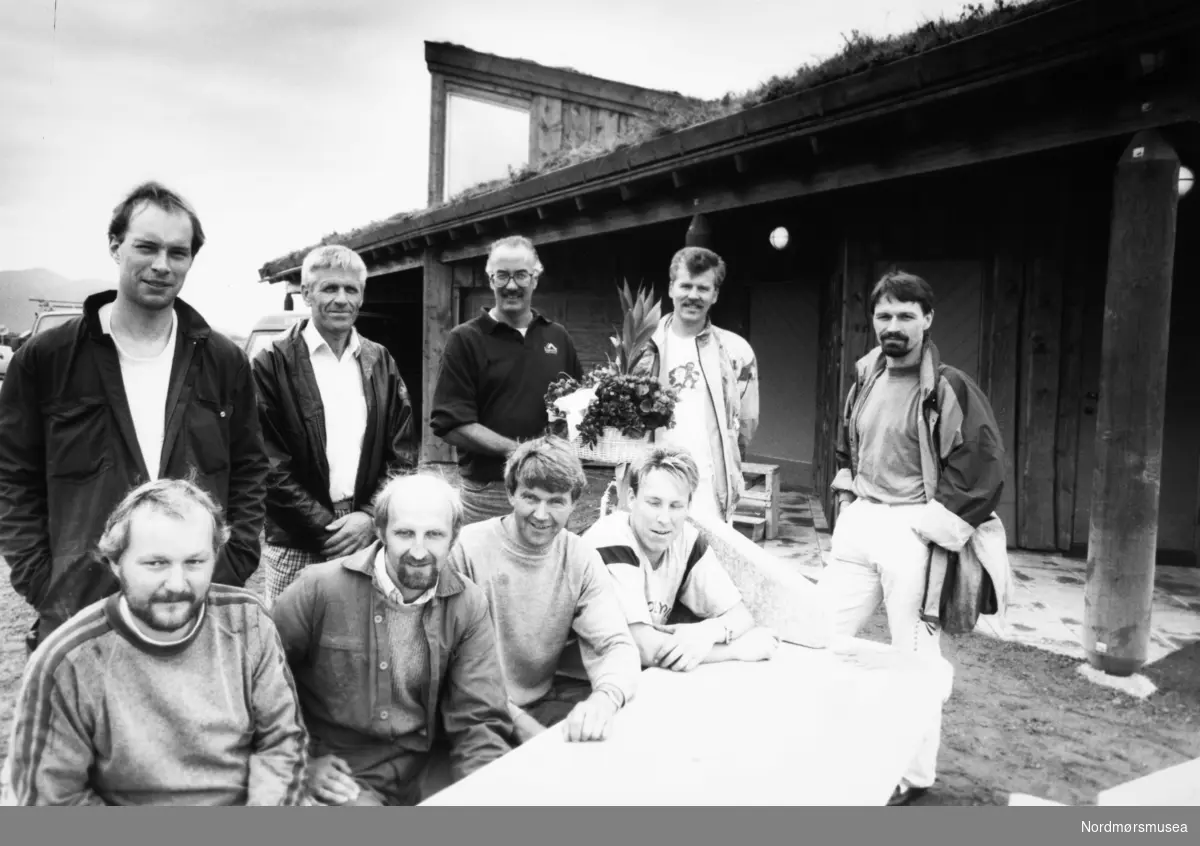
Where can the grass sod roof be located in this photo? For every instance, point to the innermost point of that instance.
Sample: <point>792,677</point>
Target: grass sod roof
<point>860,52</point>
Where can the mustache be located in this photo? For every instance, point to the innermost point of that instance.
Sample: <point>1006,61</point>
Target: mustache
<point>173,596</point>
<point>410,561</point>
<point>893,338</point>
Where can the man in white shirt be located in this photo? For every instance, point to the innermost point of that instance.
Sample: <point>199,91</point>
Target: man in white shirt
<point>659,560</point>
<point>137,388</point>
<point>716,375</point>
<point>336,419</point>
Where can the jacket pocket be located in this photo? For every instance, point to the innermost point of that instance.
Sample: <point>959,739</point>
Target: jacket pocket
<point>78,446</point>
<point>340,671</point>
<point>208,435</point>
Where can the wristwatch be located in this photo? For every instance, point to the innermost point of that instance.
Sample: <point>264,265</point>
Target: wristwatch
<point>728,635</point>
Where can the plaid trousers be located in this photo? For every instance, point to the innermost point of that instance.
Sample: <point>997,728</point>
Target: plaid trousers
<point>283,564</point>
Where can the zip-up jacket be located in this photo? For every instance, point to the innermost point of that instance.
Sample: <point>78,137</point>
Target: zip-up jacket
<point>731,375</point>
<point>962,463</point>
<point>69,454</point>
<point>292,417</point>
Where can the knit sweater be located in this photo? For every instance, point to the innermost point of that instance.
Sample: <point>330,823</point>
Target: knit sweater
<point>106,718</point>
<point>537,597</point>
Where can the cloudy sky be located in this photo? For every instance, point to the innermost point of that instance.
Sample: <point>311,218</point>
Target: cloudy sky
<point>284,120</point>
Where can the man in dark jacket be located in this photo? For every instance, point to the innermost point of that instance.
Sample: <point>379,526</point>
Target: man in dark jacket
<point>136,388</point>
<point>395,658</point>
<point>336,419</point>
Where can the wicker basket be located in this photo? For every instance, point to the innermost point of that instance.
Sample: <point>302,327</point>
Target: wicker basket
<point>612,448</point>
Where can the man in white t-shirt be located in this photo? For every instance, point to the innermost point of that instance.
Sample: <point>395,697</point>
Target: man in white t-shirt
<point>659,560</point>
<point>137,388</point>
<point>716,375</point>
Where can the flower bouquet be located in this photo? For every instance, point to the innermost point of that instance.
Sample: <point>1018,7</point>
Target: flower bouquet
<point>611,414</point>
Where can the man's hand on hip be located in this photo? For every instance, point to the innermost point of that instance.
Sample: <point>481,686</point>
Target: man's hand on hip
<point>590,719</point>
<point>348,534</point>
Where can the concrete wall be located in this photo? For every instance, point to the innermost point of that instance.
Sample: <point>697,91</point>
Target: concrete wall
<point>783,331</point>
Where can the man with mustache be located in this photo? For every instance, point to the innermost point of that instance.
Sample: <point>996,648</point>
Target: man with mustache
<point>137,388</point>
<point>173,691</point>
<point>394,656</point>
<point>920,465</point>
<point>716,375</point>
<point>545,585</point>
<point>491,390</point>
<point>336,419</point>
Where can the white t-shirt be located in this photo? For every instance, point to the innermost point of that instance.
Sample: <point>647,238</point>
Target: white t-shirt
<point>340,383</point>
<point>695,418</point>
<point>147,381</point>
<point>689,572</point>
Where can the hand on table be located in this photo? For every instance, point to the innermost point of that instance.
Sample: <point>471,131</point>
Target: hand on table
<point>590,719</point>
<point>348,534</point>
<point>685,647</point>
<point>330,782</point>
<point>756,645</point>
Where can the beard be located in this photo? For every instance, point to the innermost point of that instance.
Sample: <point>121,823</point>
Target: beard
<point>416,573</point>
<point>895,346</point>
<point>150,613</point>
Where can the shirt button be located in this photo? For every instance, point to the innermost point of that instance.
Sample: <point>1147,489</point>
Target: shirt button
<point>383,665</point>
<point>383,715</point>
<point>378,618</point>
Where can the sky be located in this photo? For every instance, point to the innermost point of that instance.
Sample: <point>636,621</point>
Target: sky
<point>285,120</point>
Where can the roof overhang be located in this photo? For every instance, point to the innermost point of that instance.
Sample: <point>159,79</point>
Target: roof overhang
<point>944,108</point>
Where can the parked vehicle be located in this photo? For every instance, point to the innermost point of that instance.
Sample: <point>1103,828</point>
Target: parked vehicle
<point>43,321</point>
<point>269,327</point>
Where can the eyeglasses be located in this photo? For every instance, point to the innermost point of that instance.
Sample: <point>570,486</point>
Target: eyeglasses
<point>521,277</point>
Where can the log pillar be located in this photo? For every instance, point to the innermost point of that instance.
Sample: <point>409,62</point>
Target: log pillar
<point>438,298</point>
<point>1129,425</point>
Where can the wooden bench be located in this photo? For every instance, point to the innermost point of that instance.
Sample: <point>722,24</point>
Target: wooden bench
<point>757,513</point>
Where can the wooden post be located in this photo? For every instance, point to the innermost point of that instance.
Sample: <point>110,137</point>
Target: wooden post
<point>1129,425</point>
<point>438,298</point>
<point>437,138</point>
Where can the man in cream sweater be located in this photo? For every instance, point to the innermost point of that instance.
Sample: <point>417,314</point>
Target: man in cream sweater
<point>173,691</point>
<point>543,583</point>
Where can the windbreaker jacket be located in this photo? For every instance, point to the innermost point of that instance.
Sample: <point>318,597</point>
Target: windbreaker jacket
<point>731,374</point>
<point>292,417</point>
<point>69,454</point>
<point>962,465</point>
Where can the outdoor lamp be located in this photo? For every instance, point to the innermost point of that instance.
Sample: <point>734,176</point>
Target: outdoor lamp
<point>779,237</point>
<point>1186,178</point>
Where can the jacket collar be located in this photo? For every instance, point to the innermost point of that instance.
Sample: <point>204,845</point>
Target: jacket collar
<point>191,324</point>
<point>660,334</point>
<point>931,361</point>
<point>489,324</point>
<point>363,563</point>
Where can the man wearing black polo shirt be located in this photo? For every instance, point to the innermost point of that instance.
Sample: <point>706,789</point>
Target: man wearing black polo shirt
<point>491,391</point>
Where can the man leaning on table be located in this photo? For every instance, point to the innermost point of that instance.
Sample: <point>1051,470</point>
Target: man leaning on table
<point>659,560</point>
<point>545,585</point>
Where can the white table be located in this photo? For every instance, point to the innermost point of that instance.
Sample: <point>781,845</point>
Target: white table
<point>810,727</point>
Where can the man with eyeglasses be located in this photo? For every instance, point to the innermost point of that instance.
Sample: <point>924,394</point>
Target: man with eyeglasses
<point>491,391</point>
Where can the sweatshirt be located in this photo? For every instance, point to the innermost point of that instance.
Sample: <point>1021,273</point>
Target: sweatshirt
<point>105,717</point>
<point>537,598</point>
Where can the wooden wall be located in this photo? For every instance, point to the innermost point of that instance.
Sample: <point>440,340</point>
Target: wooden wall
<point>1037,230</point>
<point>557,124</point>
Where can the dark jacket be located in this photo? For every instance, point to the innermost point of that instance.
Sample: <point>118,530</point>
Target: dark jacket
<point>69,454</point>
<point>333,622</point>
<point>292,417</point>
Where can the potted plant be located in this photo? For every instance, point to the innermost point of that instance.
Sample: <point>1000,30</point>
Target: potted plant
<point>612,413</point>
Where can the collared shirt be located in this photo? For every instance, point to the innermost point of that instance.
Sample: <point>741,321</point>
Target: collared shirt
<point>494,375</point>
<point>147,382</point>
<point>340,383</point>
<point>388,588</point>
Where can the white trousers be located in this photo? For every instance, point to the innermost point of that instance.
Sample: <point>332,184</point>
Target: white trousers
<point>877,557</point>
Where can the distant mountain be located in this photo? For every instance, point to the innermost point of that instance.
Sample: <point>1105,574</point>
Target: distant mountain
<point>19,287</point>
